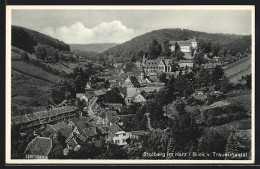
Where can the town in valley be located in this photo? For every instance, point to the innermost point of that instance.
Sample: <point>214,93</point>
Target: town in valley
<point>167,94</point>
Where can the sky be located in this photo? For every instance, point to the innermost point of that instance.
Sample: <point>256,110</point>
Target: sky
<point>118,26</point>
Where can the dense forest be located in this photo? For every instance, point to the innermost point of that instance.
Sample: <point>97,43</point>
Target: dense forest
<point>27,39</point>
<point>135,48</point>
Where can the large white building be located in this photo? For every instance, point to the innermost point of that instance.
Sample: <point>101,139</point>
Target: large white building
<point>121,137</point>
<point>185,46</point>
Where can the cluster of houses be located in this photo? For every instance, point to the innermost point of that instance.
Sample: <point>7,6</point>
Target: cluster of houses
<point>60,130</point>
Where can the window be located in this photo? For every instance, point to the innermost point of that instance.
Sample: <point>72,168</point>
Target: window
<point>117,141</point>
<point>124,134</point>
<point>124,140</point>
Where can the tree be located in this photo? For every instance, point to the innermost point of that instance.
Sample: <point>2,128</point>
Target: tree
<point>202,78</point>
<point>113,96</point>
<point>212,141</point>
<point>24,56</point>
<point>199,58</point>
<point>215,49</point>
<point>248,79</point>
<point>162,77</point>
<point>225,85</point>
<point>183,86</point>
<point>179,55</point>
<point>154,49</point>
<point>232,146</point>
<point>101,59</point>
<point>217,74</point>
<point>56,54</point>
<point>183,129</point>
<point>41,52</point>
<point>114,152</point>
<point>177,47</point>
<point>166,48</point>
<point>22,39</point>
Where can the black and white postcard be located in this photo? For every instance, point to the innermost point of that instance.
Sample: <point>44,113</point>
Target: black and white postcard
<point>130,84</point>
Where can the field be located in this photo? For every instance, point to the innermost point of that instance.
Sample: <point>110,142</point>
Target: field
<point>238,69</point>
<point>25,89</point>
<point>34,71</point>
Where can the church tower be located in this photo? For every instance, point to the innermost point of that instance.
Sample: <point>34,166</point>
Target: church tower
<point>142,73</point>
<point>144,60</point>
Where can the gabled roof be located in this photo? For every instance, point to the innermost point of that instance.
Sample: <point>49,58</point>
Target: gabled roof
<point>103,131</point>
<point>134,81</point>
<point>187,55</point>
<point>72,143</point>
<point>46,133</point>
<point>42,114</point>
<point>100,92</point>
<point>90,94</point>
<point>32,117</point>
<point>66,132</point>
<point>114,128</point>
<point>39,146</point>
<point>64,109</point>
<point>20,119</point>
<point>111,116</point>
<point>61,127</point>
<point>131,92</point>
<point>144,94</point>
<point>93,101</point>
<point>167,61</point>
<point>89,132</point>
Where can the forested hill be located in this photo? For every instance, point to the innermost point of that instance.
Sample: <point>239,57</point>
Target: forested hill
<point>135,47</point>
<point>26,39</point>
<point>93,47</point>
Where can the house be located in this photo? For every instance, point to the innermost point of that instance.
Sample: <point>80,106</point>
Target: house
<point>82,97</point>
<point>137,134</point>
<point>88,86</point>
<point>130,95</point>
<point>71,144</point>
<point>51,116</point>
<point>118,65</point>
<point>100,92</point>
<point>156,65</point>
<point>151,65</point>
<point>114,106</point>
<point>165,65</point>
<point>185,63</point>
<point>119,136</point>
<point>43,148</point>
<point>131,82</point>
<point>140,97</point>
<point>107,118</point>
<point>185,46</point>
<point>152,76</point>
<point>211,65</point>
<point>199,94</point>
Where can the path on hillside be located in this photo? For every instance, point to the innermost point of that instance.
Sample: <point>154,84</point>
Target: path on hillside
<point>150,126</point>
<point>149,122</point>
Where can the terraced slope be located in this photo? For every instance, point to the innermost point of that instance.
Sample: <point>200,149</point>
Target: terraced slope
<point>238,69</point>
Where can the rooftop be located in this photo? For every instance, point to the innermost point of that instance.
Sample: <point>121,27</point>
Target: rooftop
<point>39,146</point>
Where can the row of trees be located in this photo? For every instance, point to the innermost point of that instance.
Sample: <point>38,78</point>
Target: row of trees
<point>44,52</point>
